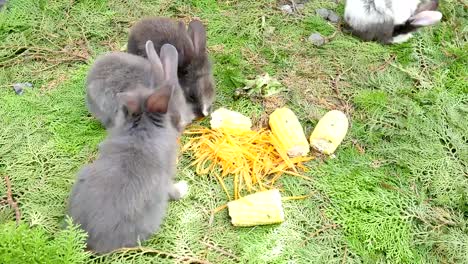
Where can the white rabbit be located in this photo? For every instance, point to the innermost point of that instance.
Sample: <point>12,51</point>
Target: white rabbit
<point>389,21</point>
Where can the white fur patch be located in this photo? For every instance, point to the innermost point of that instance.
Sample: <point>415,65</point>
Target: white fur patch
<point>402,38</point>
<point>182,187</point>
<point>403,9</point>
<point>187,117</point>
<point>356,14</point>
<point>205,110</point>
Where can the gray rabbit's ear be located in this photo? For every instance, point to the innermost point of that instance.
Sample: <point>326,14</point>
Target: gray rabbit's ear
<point>158,102</point>
<point>169,59</point>
<point>130,100</point>
<point>197,33</point>
<point>426,18</point>
<point>154,60</point>
<point>177,121</point>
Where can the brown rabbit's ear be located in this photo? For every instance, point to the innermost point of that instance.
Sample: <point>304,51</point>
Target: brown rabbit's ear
<point>158,102</point>
<point>197,33</point>
<point>154,60</point>
<point>130,100</point>
<point>169,59</point>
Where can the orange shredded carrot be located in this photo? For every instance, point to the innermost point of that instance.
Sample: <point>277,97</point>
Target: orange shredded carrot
<point>250,156</point>
<point>222,185</point>
<point>219,208</point>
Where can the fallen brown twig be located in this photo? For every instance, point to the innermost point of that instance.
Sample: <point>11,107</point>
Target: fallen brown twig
<point>336,80</point>
<point>344,255</point>
<point>333,226</point>
<point>384,65</point>
<point>41,53</point>
<point>332,36</point>
<point>358,146</point>
<point>45,50</point>
<point>10,200</point>
<point>321,230</point>
<point>465,5</point>
<point>220,250</point>
<point>145,250</point>
<point>343,103</point>
<point>301,197</point>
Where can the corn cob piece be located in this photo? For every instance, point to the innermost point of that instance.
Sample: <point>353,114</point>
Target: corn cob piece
<point>329,132</point>
<point>260,208</point>
<point>230,120</point>
<point>286,128</point>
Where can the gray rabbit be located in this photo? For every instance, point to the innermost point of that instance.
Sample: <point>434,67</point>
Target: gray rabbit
<point>119,72</point>
<point>121,198</point>
<point>195,70</point>
<point>389,21</point>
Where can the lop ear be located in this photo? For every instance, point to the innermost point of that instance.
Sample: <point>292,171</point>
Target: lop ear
<point>154,60</point>
<point>426,18</point>
<point>197,33</point>
<point>158,102</point>
<point>130,100</point>
<point>169,59</point>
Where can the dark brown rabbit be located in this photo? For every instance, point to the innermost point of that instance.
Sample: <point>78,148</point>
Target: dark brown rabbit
<point>194,69</point>
<point>121,198</point>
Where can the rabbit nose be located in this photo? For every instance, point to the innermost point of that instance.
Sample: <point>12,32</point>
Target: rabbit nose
<point>206,110</point>
<point>200,117</point>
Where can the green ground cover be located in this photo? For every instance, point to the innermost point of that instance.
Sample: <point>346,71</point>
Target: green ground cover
<point>397,192</point>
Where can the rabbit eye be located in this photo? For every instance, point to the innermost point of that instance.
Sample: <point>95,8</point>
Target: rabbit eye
<point>183,72</point>
<point>192,98</point>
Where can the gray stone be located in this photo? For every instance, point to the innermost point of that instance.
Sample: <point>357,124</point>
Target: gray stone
<point>317,39</point>
<point>323,12</point>
<point>286,9</point>
<point>19,87</point>
<point>333,17</point>
<point>2,3</point>
<point>299,6</point>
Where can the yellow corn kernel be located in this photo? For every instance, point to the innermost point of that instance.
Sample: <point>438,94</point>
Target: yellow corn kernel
<point>286,128</point>
<point>230,120</point>
<point>260,208</point>
<point>329,132</point>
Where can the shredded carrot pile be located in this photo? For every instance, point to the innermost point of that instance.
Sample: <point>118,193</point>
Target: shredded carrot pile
<point>250,157</point>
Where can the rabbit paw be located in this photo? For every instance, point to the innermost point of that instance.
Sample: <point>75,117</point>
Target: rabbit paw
<point>181,189</point>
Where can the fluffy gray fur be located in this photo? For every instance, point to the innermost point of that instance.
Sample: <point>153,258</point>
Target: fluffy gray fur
<point>195,69</point>
<point>119,72</point>
<point>121,198</point>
